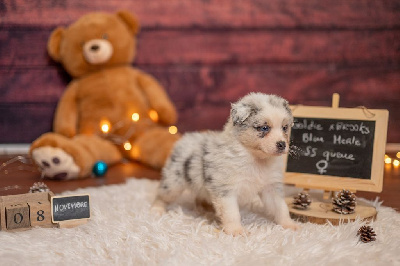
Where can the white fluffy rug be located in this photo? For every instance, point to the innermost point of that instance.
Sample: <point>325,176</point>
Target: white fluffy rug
<point>122,231</point>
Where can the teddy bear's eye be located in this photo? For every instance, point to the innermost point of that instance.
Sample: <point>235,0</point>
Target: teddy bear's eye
<point>105,36</point>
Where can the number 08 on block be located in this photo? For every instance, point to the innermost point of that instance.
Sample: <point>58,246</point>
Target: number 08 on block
<point>21,212</point>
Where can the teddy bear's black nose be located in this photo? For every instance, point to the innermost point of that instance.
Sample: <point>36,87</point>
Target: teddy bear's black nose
<point>94,47</point>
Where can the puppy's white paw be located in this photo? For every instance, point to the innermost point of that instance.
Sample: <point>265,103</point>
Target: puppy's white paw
<point>290,225</point>
<point>55,163</point>
<point>235,230</point>
<point>158,207</point>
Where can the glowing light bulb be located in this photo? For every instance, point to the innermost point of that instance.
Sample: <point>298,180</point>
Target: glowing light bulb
<point>398,154</point>
<point>386,156</point>
<point>135,117</point>
<point>396,163</point>
<point>105,126</point>
<point>388,160</point>
<point>153,115</point>
<point>127,146</point>
<point>173,130</point>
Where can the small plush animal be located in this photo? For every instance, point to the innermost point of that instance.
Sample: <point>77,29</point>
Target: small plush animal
<point>228,168</point>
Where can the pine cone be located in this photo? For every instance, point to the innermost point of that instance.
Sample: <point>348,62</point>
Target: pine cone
<point>344,202</point>
<point>39,187</point>
<point>301,201</point>
<point>366,234</point>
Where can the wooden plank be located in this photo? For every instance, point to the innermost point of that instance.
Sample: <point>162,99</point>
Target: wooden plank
<point>32,84</point>
<point>202,87</point>
<point>269,46</point>
<point>213,13</point>
<point>320,212</point>
<point>214,116</point>
<point>300,83</point>
<point>23,123</point>
<point>27,47</point>
<point>190,84</point>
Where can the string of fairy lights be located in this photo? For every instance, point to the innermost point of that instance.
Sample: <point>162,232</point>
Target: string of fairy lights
<point>108,130</point>
<point>393,161</point>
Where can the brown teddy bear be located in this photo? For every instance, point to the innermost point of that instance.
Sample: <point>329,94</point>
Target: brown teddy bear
<point>110,110</point>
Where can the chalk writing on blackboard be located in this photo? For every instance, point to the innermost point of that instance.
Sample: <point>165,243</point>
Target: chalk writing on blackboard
<point>70,208</point>
<point>334,147</point>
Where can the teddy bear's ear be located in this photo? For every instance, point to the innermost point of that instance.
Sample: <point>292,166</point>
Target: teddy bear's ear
<point>53,45</point>
<point>130,21</point>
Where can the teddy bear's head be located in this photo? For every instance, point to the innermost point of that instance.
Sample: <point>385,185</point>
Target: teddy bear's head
<point>95,41</point>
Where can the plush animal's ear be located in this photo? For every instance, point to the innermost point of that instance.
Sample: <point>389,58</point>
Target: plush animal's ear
<point>54,42</point>
<point>130,21</point>
<point>240,112</point>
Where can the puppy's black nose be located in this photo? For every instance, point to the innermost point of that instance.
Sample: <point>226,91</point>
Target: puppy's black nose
<point>281,145</point>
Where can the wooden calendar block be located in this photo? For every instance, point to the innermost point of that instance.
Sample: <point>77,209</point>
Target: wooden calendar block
<point>17,216</point>
<point>40,213</point>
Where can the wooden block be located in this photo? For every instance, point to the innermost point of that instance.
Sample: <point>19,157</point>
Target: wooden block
<point>40,213</point>
<point>72,223</point>
<point>320,212</point>
<point>17,216</point>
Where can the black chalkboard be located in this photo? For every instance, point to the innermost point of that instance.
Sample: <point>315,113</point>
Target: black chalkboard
<point>333,147</point>
<point>70,208</point>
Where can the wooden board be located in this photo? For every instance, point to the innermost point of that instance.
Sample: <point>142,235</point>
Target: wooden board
<point>214,13</point>
<point>329,172</point>
<point>200,90</point>
<point>26,47</point>
<point>224,84</point>
<point>213,53</point>
<point>320,212</point>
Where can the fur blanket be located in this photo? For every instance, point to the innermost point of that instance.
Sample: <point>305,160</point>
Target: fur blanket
<point>122,231</point>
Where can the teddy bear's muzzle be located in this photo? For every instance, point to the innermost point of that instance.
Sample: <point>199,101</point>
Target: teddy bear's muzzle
<point>97,51</point>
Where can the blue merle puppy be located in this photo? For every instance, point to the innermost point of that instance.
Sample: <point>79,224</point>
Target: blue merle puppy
<point>229,168</point>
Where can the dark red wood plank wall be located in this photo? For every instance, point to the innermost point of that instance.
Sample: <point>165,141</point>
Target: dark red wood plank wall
<point>208,53</point>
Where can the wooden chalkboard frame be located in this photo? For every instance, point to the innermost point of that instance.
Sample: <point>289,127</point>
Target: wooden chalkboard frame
<point>334,183</point>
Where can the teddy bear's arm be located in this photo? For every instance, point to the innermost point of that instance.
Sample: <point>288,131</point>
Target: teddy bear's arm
<point>65,118</point>
<point>158,98</point>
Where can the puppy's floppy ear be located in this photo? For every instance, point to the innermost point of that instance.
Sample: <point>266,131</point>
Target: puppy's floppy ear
<point>240,112</point>
<point>54,42</point>
<point>288,110</point>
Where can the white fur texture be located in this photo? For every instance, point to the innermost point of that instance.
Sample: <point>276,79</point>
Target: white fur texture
<point>122,231</point>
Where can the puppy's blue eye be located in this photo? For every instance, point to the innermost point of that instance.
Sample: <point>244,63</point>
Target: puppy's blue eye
<point>264,129</point>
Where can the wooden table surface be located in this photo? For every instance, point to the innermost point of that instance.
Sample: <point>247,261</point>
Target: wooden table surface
<point>18,177</point>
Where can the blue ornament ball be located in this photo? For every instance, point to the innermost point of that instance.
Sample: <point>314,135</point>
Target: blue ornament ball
<point>100,169</point>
